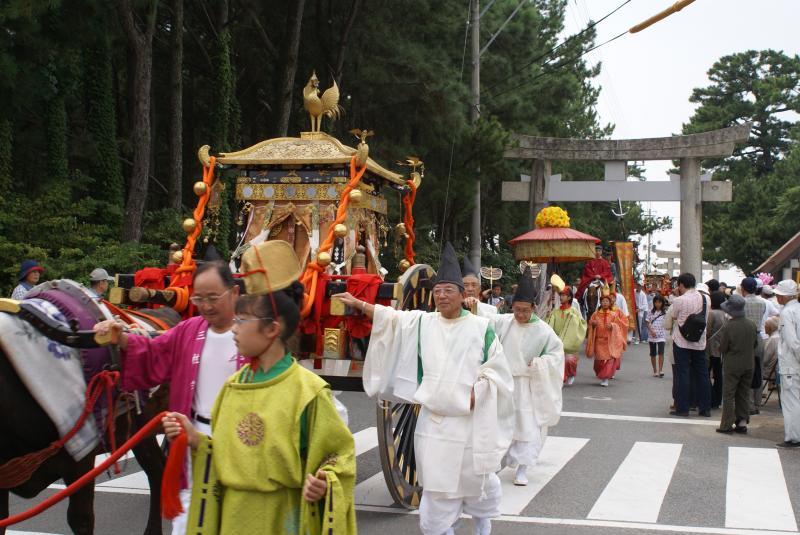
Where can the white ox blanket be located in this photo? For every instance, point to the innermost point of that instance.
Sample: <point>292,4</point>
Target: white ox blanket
<point>53,375</point>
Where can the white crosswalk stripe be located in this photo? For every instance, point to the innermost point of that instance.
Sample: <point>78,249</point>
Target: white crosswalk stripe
<point>373,492</point>
<point>557,452</point>
<point>757,497</point>
<point>756,494</point>
<point>638,487</point>
<point>365,440</point>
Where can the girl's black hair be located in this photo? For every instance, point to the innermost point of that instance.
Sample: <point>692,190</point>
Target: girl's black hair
<point>221,268</point>
<point>287,304</point>
<point>660,298</point>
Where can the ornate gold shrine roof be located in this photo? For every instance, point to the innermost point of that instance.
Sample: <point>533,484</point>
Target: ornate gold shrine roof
<point>309,148</point>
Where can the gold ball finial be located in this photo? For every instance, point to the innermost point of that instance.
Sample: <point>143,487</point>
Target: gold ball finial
<point>356,196</point>
<point>200,188</point>
<point>324,259</point>
<point>189,225</point>
<point>340,230</point>
<point>404,265</point>
<point>177,257</point>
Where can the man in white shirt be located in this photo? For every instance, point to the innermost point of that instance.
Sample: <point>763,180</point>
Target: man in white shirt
<point>768,296</point>
<point>789,362</point>
<point>195,357</point>
<point>641,312</point>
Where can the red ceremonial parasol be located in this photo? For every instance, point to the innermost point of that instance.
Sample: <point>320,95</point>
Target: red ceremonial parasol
<point>554,244</point>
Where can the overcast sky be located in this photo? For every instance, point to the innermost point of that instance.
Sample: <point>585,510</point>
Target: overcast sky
<point>647,77</point>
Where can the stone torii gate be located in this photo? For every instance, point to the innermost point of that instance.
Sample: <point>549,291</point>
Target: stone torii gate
<point>689,188</point>
<point>673,262</point>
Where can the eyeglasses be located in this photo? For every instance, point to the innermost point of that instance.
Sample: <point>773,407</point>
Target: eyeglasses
<point>208,299</point>
<point>445,291</point>
<point>242,321</point>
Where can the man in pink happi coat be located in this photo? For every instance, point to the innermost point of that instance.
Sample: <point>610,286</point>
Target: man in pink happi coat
<point>195,357</point>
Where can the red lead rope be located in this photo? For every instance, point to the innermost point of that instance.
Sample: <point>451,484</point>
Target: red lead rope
<point>88,476</point>
<point>18,470</point>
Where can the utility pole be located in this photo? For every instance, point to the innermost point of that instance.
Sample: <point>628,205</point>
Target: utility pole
<point>474,115</point>
<point>649,215</point>
<point>475,16</point>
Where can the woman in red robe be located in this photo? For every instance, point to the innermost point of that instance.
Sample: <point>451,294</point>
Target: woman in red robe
<point>607,339</point>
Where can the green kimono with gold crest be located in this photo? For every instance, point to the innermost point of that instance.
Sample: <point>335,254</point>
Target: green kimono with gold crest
<point>270,430</point>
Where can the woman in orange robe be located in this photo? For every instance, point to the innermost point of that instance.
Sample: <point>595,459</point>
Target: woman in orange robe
<point>607,339</point>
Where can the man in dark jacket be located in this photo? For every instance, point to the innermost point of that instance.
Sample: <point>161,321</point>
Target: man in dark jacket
<point>739,340</point>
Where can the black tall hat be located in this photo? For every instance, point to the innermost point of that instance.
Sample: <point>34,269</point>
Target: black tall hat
<point>449,271</point>
<point>469,269</point>
<point>526,288</point>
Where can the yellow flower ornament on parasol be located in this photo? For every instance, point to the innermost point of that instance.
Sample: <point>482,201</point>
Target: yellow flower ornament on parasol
<point>552,217</point>
<point>553,240</point>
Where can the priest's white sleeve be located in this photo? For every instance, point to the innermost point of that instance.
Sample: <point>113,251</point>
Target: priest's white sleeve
<point>547,380</point>
<point>390,366</point>
<point>485,310</point>
<point>493,416</point>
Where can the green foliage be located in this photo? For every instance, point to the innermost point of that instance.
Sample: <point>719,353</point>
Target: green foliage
<point>6,140</point>
<point>756,87</point>
<point>68,124</point>
<point>101,125</point>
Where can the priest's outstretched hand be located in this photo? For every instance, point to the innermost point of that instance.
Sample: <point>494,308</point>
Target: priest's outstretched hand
<point>349,300</point>
<point>315,487</point>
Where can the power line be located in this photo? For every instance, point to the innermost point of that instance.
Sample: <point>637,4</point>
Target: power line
<point>499,30</point>
<point>556,67</point>
<point>453,141</point>
<point>608,91</point>
<point>562,43</point>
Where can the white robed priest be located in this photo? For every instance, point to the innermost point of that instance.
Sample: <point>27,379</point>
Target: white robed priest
<point>536,356</point>
<point>451,363</point>
<point>472,291</point>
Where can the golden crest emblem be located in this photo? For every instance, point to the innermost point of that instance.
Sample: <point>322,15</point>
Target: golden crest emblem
<point>251,429</point>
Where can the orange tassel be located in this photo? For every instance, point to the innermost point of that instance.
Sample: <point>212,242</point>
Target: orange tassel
<point>171,482</point>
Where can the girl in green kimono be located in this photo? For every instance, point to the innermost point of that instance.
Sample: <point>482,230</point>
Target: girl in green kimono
<point>283,460</point>
<point>569,325</point>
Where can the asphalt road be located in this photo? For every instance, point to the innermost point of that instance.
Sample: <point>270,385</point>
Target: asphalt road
<point>616,463</point>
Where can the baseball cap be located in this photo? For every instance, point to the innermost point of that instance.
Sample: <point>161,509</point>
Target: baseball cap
<point>749,285</point>
<point>99,274</point>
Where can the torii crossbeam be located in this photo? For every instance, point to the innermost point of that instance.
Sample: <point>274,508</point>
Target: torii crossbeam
<point>689,188</point>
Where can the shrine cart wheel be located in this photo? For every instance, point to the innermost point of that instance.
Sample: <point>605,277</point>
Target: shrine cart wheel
<point>397,421</point>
